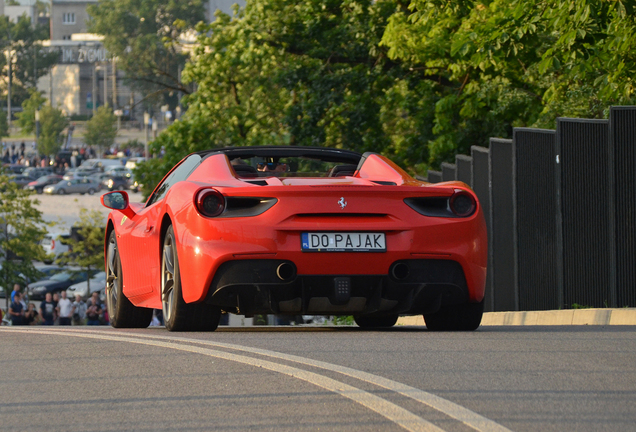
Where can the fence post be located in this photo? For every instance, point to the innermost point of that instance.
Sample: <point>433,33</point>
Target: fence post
<point>480,182</point>
<point>502,222</point>
<point>623,144</point>
<point>464,166</point>
<point>434,176</point>
<point>584,181</point>
<point>535,218</point>
<point>449,172</point>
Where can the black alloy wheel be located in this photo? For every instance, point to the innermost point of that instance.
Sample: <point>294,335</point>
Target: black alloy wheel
<point>122,313</point>
<point>177,314</point>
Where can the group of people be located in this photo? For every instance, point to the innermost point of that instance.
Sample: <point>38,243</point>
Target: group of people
<point>57,309</point>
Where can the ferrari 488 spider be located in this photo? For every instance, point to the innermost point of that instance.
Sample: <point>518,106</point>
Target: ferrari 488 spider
<point>291,231</point>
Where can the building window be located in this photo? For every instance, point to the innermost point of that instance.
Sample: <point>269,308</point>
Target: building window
<point>68,18</point>
<point>67,37</point>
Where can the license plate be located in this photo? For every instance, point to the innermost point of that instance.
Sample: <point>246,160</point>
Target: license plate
<point>343,242</point>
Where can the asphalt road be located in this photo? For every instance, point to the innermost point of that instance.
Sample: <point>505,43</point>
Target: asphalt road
<point>291,379</point>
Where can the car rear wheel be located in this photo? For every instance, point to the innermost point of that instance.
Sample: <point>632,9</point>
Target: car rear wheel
<point>91,191</point>
<point>177,314</point>
<point>61,191</point>
<point>463,317</point>
<point>122,313</point>
<point>378,322</point>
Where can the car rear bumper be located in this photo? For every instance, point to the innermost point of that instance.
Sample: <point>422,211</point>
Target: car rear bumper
<point>411,287</point>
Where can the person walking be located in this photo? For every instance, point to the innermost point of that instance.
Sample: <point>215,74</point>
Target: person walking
<point>94,309</point>
<point>65,310</point>
<point>47,310</point>
<point>16,310</point>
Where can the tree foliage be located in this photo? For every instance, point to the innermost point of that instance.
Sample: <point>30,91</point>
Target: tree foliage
<point>419,81</point>
<point>101,129</point>
<point>20,234</point>
<point>86,247</point>
<point>26,119</point>
<point>29,60</point>
<point>145,35</point>
<point>52,123</point>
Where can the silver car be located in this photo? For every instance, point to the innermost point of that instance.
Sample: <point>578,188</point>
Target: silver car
<point>81,186</point>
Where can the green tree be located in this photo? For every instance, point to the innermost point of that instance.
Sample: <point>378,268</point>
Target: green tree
<point>52,123</point>
<point>144,36</point>
<point>4,126</point>
<point>101,129</point>
<point>86,248</point>
<point>22,41</point>
<point>20,234</point>
<point>26,119</point>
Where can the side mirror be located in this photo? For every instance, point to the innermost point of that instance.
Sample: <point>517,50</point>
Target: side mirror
<point>115,200</point>
<point>118,200</point>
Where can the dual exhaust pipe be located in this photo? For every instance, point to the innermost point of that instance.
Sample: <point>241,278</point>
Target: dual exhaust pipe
<point>286,271</point>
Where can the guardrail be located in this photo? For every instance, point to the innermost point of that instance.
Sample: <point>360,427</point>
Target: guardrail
<point>560,206</point>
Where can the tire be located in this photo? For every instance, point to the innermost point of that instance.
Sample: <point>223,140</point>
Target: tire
<point>91,191</point>
<point>463,317</point>
<point>39,191</point>
<point>61,191</point>
<point>377,322</point>
<point>122,313</point>
<point>177,314</point>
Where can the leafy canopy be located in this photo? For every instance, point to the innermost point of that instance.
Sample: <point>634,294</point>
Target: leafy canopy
<point>145,35</point>
<point>101,129</point>
<point>52,123</point>
<point>20,234</point>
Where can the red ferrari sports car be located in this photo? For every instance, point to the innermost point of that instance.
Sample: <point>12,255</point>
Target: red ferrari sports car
<point>295,230</point>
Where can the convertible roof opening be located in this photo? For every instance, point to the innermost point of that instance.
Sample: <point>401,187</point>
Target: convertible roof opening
<point>289,161</point>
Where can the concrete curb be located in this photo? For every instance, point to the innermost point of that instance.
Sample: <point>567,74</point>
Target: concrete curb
<point>624,316</point>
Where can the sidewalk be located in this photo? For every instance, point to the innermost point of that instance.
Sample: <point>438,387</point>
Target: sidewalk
<point>623,316</point>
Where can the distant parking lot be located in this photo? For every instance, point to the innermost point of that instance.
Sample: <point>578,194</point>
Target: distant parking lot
<point>65,208</point>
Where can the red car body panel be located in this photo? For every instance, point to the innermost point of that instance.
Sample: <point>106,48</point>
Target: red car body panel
<point>303,205</point>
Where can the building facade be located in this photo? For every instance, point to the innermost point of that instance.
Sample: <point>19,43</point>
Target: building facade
<point>68,17</point>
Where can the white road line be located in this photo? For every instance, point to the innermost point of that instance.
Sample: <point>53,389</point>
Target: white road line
<point>394,413</point>
<point>451,409</point>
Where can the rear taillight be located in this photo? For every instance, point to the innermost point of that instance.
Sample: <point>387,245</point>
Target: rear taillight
<point>210,202</point>
<point>462,204</point>
<point>52,244</point>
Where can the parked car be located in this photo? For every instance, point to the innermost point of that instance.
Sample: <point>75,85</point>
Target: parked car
<point>79,173</point>
<point>53,245</point>
<point>100,164</point>
<point>121,171</point>
<point>13,168</point>
<point>56,283</point>
<point>21,180</point>
<point>132,162</point>
<point>37,172</point>
<point>80,186</point>
<point>44,181</point>
<point>115,182</point>
<point>296,231</point>
<point>97,283</point>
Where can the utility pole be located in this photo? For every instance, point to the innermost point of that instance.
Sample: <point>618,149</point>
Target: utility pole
<point>94,96</point>
<point>9,91</point>
<point>105,83</point>
<point>115,101</point>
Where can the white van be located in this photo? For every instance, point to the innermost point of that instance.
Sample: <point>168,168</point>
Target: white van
<point>100,164</point>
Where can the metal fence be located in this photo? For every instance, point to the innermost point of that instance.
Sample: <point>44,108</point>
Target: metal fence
<point>560,207</point>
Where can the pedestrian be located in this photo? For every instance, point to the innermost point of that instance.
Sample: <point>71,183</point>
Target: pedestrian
<point>16,290</point>
<point>56,299</point>
<point>94,309</point>
<point>31,316</point>
<point>47,310</point>
<point>16,310</point>
<point>79,310</point>
<point>65,310</point>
